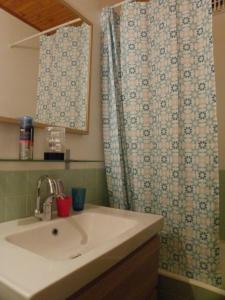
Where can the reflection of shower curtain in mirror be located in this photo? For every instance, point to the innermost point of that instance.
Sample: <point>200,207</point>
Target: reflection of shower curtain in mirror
<point>63,77</point>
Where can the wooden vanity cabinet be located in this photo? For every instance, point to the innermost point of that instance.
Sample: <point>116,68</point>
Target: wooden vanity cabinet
<point>134,278</point>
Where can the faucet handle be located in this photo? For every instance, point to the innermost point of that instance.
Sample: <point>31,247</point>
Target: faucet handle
<point>59,187</point>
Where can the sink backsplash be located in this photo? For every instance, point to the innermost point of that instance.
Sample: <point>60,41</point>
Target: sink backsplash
<point>18,189</point>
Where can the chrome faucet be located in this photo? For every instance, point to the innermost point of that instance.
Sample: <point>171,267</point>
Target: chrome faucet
<point>55,190</point>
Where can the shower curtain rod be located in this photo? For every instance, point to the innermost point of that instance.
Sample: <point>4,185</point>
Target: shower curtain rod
<point>44,32</point>
<point>218,7</point>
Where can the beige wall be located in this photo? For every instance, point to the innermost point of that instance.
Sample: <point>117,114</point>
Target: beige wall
<point>219,53</point>
<point>19,69</point>
<point>82,147</point>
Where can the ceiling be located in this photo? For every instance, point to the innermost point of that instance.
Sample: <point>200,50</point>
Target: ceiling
<point>41,14</point>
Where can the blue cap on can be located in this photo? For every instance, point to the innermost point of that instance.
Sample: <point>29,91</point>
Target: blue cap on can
<point>26,121</point>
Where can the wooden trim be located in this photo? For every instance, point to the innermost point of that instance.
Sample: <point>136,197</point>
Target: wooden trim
<point>8,120</point>
<point>46,32</point>
<point>76,12</point>
<point>15,121</point>
<point>89,79</point>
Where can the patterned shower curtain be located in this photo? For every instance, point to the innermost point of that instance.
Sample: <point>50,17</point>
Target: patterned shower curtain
<point>63,77</point>
<point>160,126</point>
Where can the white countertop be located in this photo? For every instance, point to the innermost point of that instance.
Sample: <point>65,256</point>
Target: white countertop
<point>26,275</point>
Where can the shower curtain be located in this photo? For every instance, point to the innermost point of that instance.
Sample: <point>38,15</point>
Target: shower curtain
<point>63,77</point>
<point>160,126</point>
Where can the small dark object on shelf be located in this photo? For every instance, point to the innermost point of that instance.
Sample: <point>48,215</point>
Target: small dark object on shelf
<point>53,156</point>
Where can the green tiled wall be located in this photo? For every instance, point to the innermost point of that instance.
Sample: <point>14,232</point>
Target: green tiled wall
<point>18,189</point>
<point>222,205</point>
<point>171,289</point>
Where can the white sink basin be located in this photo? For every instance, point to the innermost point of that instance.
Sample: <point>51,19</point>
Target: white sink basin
<point>52,260</point>
<point>70,238</point>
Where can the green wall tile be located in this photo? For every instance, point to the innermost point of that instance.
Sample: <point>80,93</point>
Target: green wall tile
<point>74,178</point>
<point>32,179</point>
<point>102,195</point>
<point>15,207</point>
<point>2,208</point>
<point>16,183</point>
<point>91,195</point>
<point>31,204</point>
<point>100,178</point>
<point>90,178</point>
<point>56,173</point>
<point>3,179</point>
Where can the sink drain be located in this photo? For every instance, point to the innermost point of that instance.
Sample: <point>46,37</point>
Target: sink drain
<point>55,231</point>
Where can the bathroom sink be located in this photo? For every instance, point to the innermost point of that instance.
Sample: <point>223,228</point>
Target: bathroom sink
<point>70,238</point>
<point>51,260</point>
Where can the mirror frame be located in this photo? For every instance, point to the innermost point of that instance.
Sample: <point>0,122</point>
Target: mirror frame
<point>9,120</point>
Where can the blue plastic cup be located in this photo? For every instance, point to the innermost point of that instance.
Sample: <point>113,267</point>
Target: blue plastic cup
<point>78,197</point>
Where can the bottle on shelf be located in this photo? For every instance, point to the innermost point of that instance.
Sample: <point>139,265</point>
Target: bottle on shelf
<point>26,139</point>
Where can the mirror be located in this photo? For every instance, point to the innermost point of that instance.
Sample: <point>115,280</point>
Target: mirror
<point>45,67</point>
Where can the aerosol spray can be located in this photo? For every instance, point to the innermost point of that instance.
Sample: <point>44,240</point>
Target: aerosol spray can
<point>26,140</point>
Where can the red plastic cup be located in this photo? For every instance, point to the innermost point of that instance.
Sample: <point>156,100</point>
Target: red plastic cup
<point>64,206</point>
